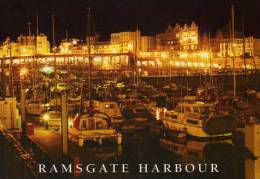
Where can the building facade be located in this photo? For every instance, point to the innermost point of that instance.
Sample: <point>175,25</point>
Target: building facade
<point>25,46</point>
<point>249,45</point>
<point>130,40</point>
<point>148,43</point>
<point>178,38</point>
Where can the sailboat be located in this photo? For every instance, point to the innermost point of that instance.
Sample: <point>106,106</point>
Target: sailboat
<point>96,127</point>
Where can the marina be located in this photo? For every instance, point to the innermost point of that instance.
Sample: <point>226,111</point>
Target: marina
<point>176,104</point>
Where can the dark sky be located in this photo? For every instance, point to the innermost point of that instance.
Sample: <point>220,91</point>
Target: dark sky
<point>152,16</point>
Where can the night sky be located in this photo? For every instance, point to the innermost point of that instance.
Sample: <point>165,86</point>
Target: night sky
<point>152,16</point>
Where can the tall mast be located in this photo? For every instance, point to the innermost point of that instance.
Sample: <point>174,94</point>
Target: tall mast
<point>210,67</point>
<point>55,62</point>
<point>53,41</point>
<point>135,56</point>
<point>89,51</point>
<point>67,35</point>
<point>232,47</point>
<point>34,59</point>
<point>37,24</point>
<point>37,33</point>
<point>29,28</point>
<point>244,49</point>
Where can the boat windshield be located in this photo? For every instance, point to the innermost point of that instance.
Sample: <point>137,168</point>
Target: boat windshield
<point>206,109</point>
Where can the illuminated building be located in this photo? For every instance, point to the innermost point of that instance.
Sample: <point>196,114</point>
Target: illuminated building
<point>66,46</point>
<point>109,47</point>
<point>168,40</point>
<point>9,48</point>
<point>147,43</point>
<point>27,45</point>
<point>188,37</point>
<point>178,38</point>
<point>43,45</point>
<point>249,44</point>
<point>129,40</point>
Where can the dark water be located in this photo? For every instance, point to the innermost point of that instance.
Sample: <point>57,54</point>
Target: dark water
<point>148,149</point>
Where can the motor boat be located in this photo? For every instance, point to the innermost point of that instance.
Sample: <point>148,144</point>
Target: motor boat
<point>97,128</point>
<point>199,119</point>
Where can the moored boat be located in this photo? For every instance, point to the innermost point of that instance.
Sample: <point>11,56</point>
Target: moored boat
<point>96,128</point>
<point>199,119</point>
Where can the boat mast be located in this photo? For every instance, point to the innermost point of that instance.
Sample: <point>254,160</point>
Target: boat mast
<point>135,57</point>
<point>210,65</point>
<point>34,59</point>
<point>233,56</point>
<point>53,43</point>
<point>88,38</point>
<point>11,75</point>
<point>55,62</point>
<point>244,51</point>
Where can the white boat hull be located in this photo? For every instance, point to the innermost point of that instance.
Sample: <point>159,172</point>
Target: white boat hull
<point>192,130</point>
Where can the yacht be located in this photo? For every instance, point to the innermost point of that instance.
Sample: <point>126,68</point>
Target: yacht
<point>199,119</point>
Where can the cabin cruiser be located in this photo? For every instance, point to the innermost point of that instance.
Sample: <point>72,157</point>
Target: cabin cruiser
<point>97,128</point>
<point>199,119</point>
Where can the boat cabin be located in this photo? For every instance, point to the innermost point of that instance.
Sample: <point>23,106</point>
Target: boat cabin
<point>83,123</point>
<point>196,108</point>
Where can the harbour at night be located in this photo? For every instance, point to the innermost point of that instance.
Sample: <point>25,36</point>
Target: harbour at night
<point>139,90</point>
